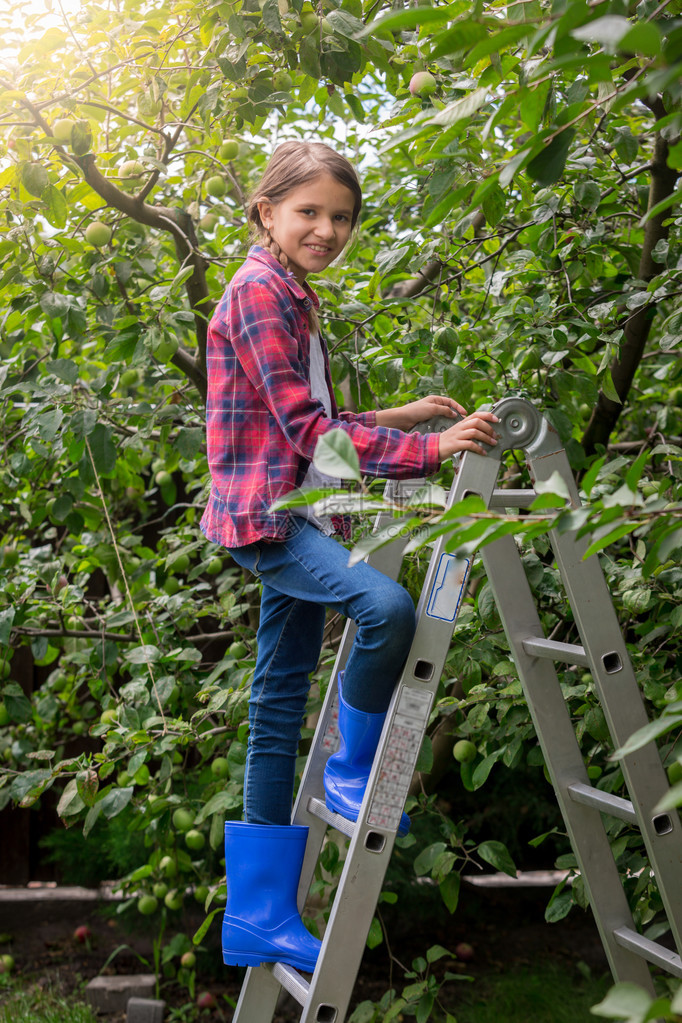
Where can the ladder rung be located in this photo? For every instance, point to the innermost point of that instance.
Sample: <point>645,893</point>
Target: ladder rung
<point>571,653</point>
<point>290,979</point>
<point>603,801</point>
<point>318,809</point>
<point>649,950</point>
<point>512,498</point>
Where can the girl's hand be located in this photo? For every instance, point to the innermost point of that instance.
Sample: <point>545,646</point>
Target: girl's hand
<point>467,434</point>
<point>407,416</point>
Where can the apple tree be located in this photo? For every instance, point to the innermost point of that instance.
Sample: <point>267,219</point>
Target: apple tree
<point>519,235</point>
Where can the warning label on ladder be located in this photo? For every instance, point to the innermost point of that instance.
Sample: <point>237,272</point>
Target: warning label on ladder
<point>400,757</point>
<point>447,587</point>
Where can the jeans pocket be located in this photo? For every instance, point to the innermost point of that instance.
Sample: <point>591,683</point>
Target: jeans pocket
<point>247,557</point>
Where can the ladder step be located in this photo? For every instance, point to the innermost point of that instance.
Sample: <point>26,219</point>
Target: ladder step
<point>318,809</point>
<point>512,498</point>
<point>649,950</point>
<point>603,801</point>
<point>290,979</point>
<point>571,653</point>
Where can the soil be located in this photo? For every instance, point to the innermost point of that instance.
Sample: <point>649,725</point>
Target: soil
<point>504,926</point>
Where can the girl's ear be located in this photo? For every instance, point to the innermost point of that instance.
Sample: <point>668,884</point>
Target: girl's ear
<point>265,213</point>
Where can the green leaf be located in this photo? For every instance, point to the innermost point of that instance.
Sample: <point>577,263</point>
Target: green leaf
<point>424,1007</point>
<point>462,108</point>
<point>404,20</point>
<point>624,1001</point>
<point>494,205</point>
<point>449,890</point>
<point>201,932</point>
<point>375,936</point>
<point>115,801</point>
<point>103,449</point>
<point>497,855</point>
<point>644,38</point>
<point>547,166</point>
<point>6,622</point>
<point>335,455</point>
<point>608,31</point>
<point>143,654</point>
<point>56,206</point>
<point>17,703</point>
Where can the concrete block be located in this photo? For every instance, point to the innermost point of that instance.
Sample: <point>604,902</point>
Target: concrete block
<point>145,1010</point>
<point>111,994</point>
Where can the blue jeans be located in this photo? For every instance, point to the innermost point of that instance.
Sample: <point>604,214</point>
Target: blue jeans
<point>302,576</point>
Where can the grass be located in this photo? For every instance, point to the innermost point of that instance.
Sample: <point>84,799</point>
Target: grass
<point>36,1005</point>
<point>544,993</point>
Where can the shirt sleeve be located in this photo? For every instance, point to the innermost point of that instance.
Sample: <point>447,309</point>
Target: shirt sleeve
<point>261,333</point>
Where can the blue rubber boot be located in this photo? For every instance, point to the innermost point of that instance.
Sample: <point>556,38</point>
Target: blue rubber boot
<point>347,771</point>
<point>262,923</point>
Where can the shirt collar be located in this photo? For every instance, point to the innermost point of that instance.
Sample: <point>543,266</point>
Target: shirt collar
<point>303,292</point>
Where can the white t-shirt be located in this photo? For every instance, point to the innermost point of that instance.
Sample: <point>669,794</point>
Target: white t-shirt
<point>314,479</point>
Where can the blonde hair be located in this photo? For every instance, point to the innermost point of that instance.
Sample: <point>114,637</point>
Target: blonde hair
<point>291,165</point>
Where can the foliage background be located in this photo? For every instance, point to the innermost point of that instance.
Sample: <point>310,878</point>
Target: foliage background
<point>519,235</point>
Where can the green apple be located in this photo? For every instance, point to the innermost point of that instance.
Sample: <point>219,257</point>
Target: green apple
<point>62,129</point>
<point>188,960</point>
<point>129,377</point>
<point>208,222</point>
<point>216,186</point>
<point>182,819</point>
<point>282,81</point>
<point>173,899</point>
<point>147,904</point>
<point>131,169</point>
<point>10,557</point>
<point>168,866</point>
<point>109,716</point>
<point>220,767</point>
<point>215,565</point>
<point>201,893</point>
<point>4,716</point>
<point>194,840</point>
<point>228,151</point>
<point>163,478</point>
<point>237,649</point>
<point>98,234</point>
<point>181,563</point>
<point>171,585</point>
<point>160,890</point>
<point>166,349</point>
<point>675,772</point>
<point>464,751</point>
<point>422,83</point>
<point>6,963</point>
<point>309,18</point>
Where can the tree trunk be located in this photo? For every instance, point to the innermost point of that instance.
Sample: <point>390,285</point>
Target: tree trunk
<point>637,326</point>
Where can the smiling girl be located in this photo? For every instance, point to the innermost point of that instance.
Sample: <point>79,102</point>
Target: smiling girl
<point>270,398</point>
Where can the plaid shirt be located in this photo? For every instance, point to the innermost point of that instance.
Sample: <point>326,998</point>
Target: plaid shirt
<point>262,424</point>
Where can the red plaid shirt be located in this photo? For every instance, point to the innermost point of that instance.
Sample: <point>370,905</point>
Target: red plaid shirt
<point>262,424</point>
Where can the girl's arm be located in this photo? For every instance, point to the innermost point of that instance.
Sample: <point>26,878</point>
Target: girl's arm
<point>408,416</point>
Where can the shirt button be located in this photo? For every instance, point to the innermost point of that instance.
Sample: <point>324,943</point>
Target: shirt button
<point>306,303</point>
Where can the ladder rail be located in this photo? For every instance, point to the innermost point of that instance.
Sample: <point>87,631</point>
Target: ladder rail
<point>564,760</point>
<point>620,699</point>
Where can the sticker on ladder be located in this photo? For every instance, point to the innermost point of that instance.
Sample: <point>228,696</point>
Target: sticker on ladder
<point>399,758</point>
<point>447,587</point>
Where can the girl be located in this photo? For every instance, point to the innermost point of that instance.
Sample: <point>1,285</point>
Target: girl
<point>270,397</point>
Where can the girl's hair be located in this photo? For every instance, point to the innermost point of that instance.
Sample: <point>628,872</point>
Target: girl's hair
<point>293,164</point>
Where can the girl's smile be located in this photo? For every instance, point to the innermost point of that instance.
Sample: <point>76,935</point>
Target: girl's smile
<point>312,224</point>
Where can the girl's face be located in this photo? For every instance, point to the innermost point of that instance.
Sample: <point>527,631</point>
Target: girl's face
<point>311,224</point>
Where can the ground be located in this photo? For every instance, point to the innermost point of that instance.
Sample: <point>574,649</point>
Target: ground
<point>504,926</point>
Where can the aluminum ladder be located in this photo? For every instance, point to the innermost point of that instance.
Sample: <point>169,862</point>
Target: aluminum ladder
<point>326,996</point>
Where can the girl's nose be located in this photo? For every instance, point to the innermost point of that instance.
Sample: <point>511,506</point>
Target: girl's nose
<point>325,228</point>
